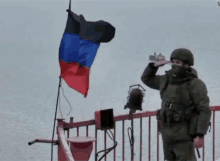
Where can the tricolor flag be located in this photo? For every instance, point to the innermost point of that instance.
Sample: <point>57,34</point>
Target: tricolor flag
<point>78,48</point>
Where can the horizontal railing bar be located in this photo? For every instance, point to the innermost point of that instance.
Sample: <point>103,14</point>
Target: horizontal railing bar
<point>214,108</point>
<point>135,116</point>
<point>79,124</point>
<point>122,117</point>
<point>116,118</point>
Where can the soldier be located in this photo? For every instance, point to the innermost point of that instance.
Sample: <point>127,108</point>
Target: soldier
<point>184,113</point>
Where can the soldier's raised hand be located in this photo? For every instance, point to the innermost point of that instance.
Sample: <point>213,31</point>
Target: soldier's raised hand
<point>161,63</point>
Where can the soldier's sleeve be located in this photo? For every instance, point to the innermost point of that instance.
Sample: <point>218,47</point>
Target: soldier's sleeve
<point>150,78</point>
<point>201,100</point>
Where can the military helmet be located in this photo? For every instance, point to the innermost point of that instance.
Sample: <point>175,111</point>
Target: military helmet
<point>184,55</point>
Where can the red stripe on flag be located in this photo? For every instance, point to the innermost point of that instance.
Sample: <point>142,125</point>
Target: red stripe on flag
<point>77,77</point>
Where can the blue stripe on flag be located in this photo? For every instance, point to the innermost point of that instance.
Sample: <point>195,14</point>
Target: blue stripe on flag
<point>74,49</point>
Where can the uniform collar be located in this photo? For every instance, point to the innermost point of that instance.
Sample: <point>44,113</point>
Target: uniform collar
<point>192,73</point>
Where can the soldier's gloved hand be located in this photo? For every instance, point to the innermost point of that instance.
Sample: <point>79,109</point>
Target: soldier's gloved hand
<point>161,63</point>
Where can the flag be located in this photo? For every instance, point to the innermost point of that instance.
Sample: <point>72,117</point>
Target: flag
<point>78,48</point>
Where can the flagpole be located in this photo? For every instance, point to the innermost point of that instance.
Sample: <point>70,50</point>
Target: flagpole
<point>55,117</point>
<point>70,5</point>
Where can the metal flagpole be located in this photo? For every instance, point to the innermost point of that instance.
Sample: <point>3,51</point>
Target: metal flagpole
<point>55,118</point>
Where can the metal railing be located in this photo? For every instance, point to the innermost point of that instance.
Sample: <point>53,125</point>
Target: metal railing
<point>122,118</point>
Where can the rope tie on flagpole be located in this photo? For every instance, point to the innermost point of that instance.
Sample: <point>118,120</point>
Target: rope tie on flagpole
<point>67,101</point>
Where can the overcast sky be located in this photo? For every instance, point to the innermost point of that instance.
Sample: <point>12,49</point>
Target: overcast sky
<point>30,35</point>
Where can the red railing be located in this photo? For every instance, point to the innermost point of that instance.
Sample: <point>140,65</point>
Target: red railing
<point>122,118</point>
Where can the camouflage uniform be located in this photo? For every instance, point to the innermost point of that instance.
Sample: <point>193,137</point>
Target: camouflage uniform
<point>184,112</point>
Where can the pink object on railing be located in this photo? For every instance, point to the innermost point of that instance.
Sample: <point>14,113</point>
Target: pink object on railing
<point>81,147</point>
<point>64,152</point>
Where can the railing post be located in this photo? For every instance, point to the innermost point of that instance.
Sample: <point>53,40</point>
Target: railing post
<point>149,139</point>
<point>141,139</point>
<point>123,140</point>
<point>203,151</point>
<point>96,157</point>
<point>87,131</point>
<point>158,157</point>
<point>114,142</point>
<point>214,135</point>
<point>105,144</point>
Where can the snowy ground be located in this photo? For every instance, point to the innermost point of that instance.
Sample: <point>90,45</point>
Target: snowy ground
<point>29,68</point>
